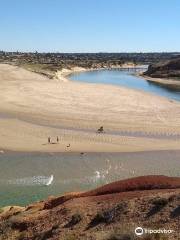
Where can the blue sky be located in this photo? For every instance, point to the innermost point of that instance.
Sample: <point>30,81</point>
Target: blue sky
<point>90,25</point>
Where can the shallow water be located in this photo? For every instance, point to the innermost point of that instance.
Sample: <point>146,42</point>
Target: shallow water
<point>126,79</point>
<point>23,175</point>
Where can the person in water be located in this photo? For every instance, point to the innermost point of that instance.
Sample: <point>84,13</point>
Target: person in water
<point>49,140</point>
<point>57,139</point>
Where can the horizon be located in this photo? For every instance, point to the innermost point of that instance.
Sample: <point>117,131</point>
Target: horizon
<point>90,27</point>
<point>57,52</point>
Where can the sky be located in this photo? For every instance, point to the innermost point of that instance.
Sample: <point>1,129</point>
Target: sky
<point>90,25</point>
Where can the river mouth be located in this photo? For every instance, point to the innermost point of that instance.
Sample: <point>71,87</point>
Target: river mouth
<point>23,174</point>
<point>127,78</point>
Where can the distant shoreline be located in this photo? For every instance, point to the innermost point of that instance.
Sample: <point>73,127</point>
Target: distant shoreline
<point>170,82</point>
<point>64,73</point>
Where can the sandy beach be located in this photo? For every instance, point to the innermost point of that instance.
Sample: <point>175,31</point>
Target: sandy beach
<point>34,107</point>
<point>167,82</point>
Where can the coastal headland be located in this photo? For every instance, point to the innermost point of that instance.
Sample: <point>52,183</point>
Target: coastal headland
<point>112,211</point>
<point>164,73</point>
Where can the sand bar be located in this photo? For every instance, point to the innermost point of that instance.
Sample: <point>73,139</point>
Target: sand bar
<point>34,107</point>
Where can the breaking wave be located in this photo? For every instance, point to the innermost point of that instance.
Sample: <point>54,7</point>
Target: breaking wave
<point>43,180</point>
<point>30,181</point>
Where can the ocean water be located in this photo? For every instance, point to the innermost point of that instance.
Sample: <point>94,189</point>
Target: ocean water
<point>126,79</point>
<point>23,175</point>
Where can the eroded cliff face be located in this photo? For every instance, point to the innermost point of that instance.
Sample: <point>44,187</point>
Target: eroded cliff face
<point>111,212</point>
<point>168,69</point>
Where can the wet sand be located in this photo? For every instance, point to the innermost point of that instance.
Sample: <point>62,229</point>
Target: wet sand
<point>34,107</point>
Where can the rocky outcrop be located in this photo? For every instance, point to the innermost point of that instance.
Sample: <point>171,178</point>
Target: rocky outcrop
<point>142,183</point>
<point>112,211</point>
<point>168,69</point>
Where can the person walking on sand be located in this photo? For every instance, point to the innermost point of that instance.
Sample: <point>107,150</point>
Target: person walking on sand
<point>101,129</point>
<point>57,139</point>
<point>49,140</point>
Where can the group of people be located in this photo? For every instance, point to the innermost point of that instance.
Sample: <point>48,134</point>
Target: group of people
<point>100,130</point>
<point>57,141</point>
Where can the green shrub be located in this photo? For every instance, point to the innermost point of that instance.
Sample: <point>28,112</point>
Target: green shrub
<point>75,219</point>
<point>109,215</point>
<point>160,202</point>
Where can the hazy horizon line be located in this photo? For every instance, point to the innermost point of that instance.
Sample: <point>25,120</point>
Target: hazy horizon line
<point>98,52</point>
